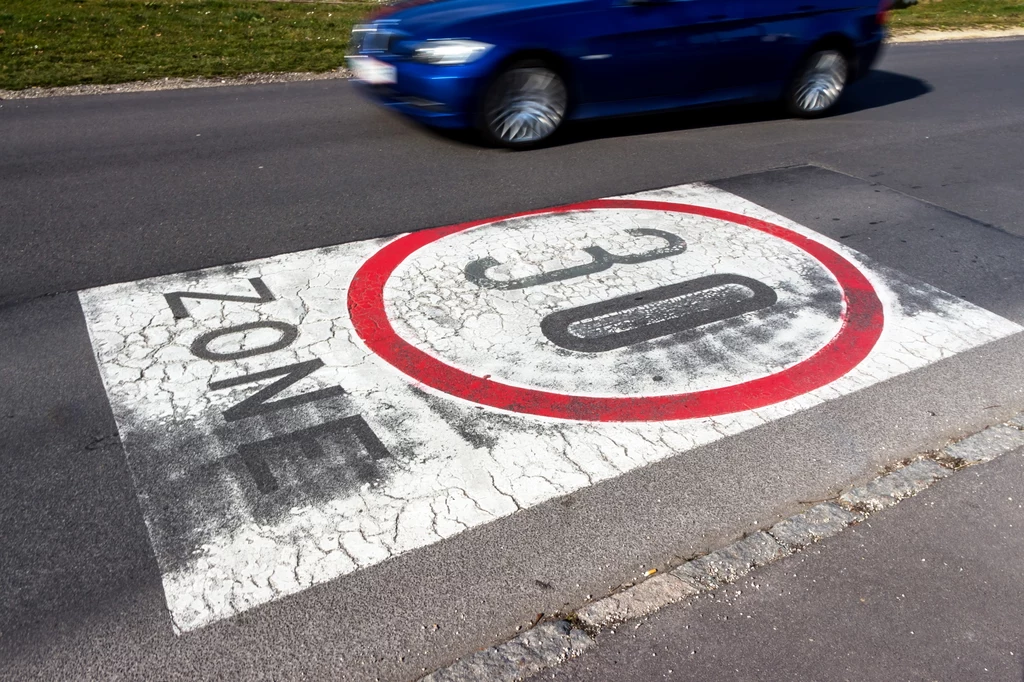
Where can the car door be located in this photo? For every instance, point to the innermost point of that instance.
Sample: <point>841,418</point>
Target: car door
<point>746,41</point>
<point>781,32</point>
<point>652,51</point>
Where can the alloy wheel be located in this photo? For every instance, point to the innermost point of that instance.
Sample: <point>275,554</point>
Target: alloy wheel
<point>526,105</point>
<point>821,82</point>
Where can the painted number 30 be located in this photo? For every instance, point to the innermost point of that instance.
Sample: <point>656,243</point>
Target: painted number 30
<point>640,317</point>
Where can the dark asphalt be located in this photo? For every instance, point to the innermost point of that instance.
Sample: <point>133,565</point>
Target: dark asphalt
<point>95,190</point>
<point>119,187</point>
<point>928,590</point>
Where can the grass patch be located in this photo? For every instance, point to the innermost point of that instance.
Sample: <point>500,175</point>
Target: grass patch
<point>70,42</point>
<point>959,14</point>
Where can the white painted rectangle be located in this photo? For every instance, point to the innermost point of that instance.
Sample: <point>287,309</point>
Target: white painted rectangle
<point>365,458</point>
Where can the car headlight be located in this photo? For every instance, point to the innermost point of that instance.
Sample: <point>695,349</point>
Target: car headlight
<point>450,51</point>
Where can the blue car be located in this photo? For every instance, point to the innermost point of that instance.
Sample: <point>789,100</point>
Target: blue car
<point>519,69</point>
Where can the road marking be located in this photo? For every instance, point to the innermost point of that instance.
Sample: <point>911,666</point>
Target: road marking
<point>294,419</point>
<point>856,314</point>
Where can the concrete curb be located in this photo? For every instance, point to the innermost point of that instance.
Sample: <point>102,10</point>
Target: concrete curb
<point>175,84</point>
<point>544,646</point>
<point>553,642</point>
<point>956,34</point>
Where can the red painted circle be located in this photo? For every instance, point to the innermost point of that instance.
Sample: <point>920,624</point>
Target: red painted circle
<point>862,322</point>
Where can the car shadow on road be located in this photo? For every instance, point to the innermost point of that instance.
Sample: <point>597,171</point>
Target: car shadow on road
<point>882,88</point>
<point>877,89</point>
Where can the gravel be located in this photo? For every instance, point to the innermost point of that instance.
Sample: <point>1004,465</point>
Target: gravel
<point>174,84</point>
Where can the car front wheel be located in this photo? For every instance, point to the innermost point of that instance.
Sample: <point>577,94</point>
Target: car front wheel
<point>819,84</point>
<point>524,106</point>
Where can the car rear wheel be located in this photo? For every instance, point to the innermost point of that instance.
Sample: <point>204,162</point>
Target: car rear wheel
<point>819,84</point>
<point>524,106</point>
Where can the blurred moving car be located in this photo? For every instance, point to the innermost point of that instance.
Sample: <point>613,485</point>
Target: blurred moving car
<point>518,69</point>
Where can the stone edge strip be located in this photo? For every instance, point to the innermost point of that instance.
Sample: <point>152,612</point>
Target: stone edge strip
<point>341,72</point>
<point>175,84</point>
<point>932,36</point>
<point>551,643</point>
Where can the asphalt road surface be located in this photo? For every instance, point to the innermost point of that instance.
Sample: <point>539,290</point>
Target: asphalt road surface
<point>921,172</point>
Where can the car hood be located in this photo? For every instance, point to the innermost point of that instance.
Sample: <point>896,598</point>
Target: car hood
<point>438,17</point>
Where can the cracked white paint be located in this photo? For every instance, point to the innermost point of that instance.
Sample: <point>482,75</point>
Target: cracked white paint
<point>434,306</point>
<point>454,465</point>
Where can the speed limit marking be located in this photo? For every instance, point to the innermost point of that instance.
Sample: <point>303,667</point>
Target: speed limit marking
<point>860,322</point>
<point>293,419</point>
